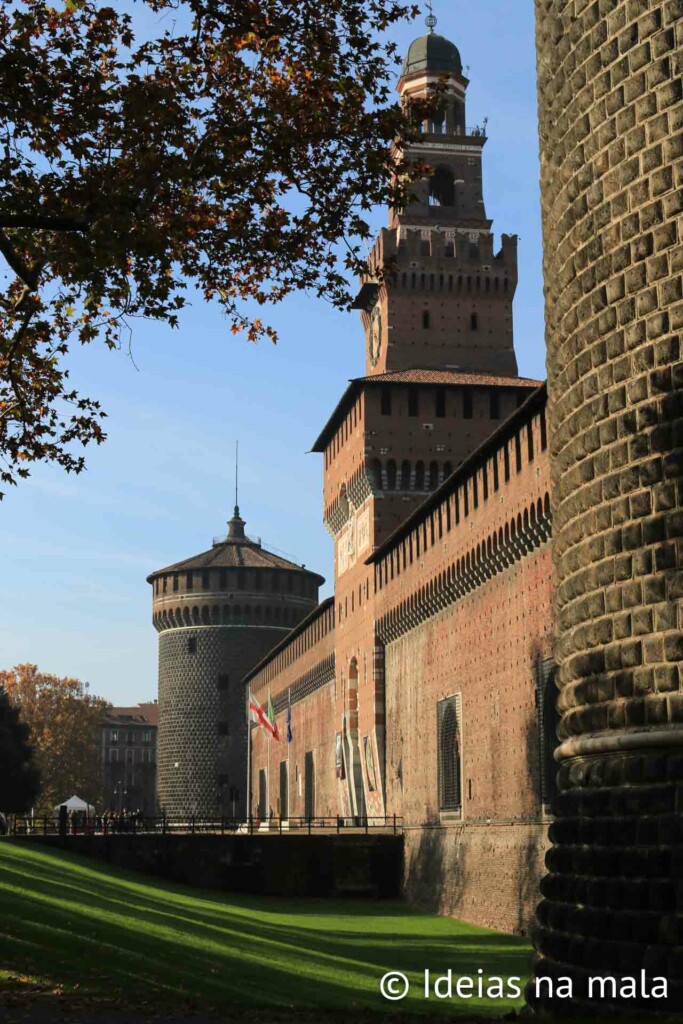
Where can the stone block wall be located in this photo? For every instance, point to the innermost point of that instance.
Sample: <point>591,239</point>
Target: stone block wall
<point>611,114</point>
<point>202,738</point>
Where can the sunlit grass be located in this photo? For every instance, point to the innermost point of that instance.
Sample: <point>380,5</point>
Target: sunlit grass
<point>71,925</point>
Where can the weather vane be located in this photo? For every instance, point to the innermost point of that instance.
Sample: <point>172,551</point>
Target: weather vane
<point>430,20</point>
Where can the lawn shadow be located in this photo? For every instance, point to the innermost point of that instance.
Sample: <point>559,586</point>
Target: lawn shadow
<point>106,930</point>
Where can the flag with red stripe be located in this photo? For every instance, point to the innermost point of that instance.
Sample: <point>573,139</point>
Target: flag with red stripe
<point>260,716</point>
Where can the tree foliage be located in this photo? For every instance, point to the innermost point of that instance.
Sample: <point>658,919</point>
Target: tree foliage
<point>231,147</point>
<point>64,725</point>
<point>19,781</point>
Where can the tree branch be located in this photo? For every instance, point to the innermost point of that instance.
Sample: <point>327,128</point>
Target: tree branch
<point>21,269</point>
<point>43,223</point>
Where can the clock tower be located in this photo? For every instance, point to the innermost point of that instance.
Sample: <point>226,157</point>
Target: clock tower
<point>447,302</point>
<point>441,372</point>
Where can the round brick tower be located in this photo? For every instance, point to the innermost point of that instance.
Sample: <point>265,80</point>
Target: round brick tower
<point>610,117</point>
<point>217,615</point>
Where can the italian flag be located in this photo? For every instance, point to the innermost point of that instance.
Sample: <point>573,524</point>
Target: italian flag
<point>260,716</point>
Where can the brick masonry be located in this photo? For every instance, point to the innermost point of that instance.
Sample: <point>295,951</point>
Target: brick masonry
<point>611,114</point>
<point>442,574</point>
<point>471,562</point>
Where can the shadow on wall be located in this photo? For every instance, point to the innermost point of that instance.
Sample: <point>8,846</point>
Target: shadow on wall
<point>530,860</point>
<point>484,873</point>
<point>425,868</point>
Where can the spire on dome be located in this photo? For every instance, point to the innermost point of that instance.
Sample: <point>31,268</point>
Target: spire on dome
<point>236,526</point>
<point>430,20</point>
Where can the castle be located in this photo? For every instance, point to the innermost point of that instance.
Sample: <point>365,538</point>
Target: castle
<point>426,686</point>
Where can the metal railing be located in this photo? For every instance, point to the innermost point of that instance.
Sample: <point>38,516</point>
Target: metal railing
<point>198,825</point>
<point>477,131</point>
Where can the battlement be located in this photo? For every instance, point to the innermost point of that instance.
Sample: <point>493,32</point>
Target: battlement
<point>437,261</point>
<point>420,248</point>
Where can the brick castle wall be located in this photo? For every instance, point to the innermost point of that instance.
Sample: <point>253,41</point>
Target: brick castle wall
<point>460,601</point>
<point>611,112</point>
<point>462,617</point>
<point>299,675</point>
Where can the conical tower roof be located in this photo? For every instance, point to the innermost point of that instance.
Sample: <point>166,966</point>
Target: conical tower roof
<point>237,550</point>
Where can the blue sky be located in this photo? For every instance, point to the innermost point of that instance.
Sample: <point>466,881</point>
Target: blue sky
<point>75,551</point>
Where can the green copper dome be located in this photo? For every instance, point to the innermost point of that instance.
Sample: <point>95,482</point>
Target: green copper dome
<point>433,53</point>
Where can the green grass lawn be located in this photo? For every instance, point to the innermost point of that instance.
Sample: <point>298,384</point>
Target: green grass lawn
<point>101,932</point>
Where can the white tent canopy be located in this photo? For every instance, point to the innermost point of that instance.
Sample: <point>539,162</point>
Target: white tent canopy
<point>75,803</point>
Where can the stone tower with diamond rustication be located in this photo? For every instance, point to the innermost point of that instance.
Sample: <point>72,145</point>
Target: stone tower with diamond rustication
<point>217,615</point>
<point>610,123</point>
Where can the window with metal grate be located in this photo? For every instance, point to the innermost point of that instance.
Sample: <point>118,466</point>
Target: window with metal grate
<point>449,753</point>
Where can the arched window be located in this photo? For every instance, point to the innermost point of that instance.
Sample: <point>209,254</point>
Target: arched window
<point>449,754</point>
<point>405,475</point>
<point>441,188</point>
<point>391,475</point>
<point>438,122</point>
<point>420,476</point>
<point>375,471</point>
<point>433,475</point>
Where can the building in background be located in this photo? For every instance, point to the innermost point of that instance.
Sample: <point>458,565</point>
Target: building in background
<point>129,757</point>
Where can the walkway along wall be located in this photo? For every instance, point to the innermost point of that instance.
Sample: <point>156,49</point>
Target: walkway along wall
<point>611,111</point>
<point>457,622</point>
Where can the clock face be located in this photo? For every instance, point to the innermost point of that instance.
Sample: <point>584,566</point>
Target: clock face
<point>375,334</point>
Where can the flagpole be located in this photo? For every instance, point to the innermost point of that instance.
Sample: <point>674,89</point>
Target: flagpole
<point>268,786</point>
<point>248,761</point>
<point>289,742</point>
